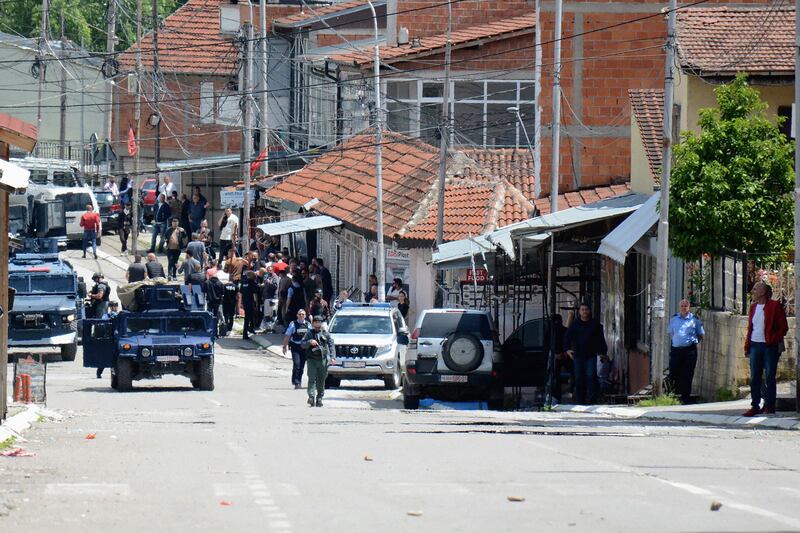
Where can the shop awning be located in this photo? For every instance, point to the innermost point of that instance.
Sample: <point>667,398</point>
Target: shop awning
<point>459,254</point>
<point>536,230</point>
<point>299,224</point>
<point>618,243</point>
<point>13,178</point>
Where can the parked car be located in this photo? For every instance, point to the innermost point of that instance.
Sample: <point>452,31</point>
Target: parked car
<point>371,341</point>
<point>149,196</point>
<point>109,207</point>
<point>453,354</point>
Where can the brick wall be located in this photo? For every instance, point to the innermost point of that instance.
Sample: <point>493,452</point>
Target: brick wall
<point>721,362</point>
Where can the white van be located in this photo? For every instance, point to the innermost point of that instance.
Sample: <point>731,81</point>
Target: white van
<point>75,200</point>
<point>48,172</point>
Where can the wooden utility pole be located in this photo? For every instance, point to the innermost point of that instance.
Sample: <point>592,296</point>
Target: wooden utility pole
<point>42,64</point>
<point>264,136</point>
<point>4,293</point>
<point>110,43</point>
<point>156,81</point>
<point>137,117</point>
<point>247,133</point>
<point>661,308</point>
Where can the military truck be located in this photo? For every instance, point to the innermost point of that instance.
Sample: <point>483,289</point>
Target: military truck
<point>165,329</point>
<point>48,299</point>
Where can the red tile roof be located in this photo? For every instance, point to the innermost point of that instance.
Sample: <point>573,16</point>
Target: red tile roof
<point>189,42</point>
<point>647,106</point>
<point>582,197</point>
<point>727,40</point>
<point>490,31</point>
<point>314,13</point>
<point>17,132</point>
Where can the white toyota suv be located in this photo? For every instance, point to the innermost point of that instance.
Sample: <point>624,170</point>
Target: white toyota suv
<point>371,341</point>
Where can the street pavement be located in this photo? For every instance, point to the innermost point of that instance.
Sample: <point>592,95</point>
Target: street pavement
<point>252,456</point>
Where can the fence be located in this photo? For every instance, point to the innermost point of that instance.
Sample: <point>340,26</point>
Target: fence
<point>724,282</point>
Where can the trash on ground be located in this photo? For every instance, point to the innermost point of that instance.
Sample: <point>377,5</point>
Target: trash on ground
<point>90,436</point>
<point>414,513</point>
<point>225,503</point>
<point>715,505</point>
<point>367,458</point>
<point>17,452</point>
<point>516,498</point>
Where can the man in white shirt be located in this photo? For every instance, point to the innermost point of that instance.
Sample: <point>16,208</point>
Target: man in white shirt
<point>228,234</point>
<point>111,186</point>
<point>166,188</point>
<point>394,292</point>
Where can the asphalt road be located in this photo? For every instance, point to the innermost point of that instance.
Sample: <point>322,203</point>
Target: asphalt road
<point>252,456</point>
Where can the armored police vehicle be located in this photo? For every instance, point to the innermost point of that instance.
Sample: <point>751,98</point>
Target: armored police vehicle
<point>48,301</point>
<point>165,329</point>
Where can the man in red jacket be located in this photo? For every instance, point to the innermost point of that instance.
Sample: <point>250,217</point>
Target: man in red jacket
<point>90,222</point>
<point>766,328</point>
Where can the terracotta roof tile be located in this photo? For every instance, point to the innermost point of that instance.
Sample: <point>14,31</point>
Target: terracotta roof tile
<point>727,40</point>
<point>647,106</point>
<point>491,30</point>
<point>576,198</point>
<point>314,13</point>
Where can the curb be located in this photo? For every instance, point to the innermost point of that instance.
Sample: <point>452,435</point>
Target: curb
<point>273,349</point>
<point>698,418</point>
<point>14,426</point>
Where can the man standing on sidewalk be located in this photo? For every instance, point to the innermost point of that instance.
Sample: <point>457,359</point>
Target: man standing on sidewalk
<point>766,328</point>
<point>584,341</point>
<point>90,222</point>
<point>320,351</point>
<point>159,223</point>
<point>686,332</point>
<point>176,241</point>
<point>293,339</point>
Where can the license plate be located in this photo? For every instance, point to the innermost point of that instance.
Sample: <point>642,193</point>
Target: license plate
<point>453,379</point>
<point>167,358</point>
<point>354,364</point>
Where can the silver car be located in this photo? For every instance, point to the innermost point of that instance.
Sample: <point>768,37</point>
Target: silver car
<point>371,341</point>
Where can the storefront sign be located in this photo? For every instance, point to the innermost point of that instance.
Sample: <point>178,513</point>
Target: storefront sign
<point>234,198</point>
<point>479,275</point>
<point>398,265</point>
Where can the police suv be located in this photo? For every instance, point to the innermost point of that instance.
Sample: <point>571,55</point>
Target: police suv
<point>164,330</point>
<point>371,341</point>
<point>48,299</point>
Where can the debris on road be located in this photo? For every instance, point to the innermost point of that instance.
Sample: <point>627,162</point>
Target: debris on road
<point>414,513</point>
<point>225,503</point>
<point>516,498</point>
<point>367,458</point>
<point>17,452</point>
<point>715,505</point>
<point>90,436</point>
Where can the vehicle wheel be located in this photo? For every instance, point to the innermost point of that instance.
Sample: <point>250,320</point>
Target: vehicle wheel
<point>124,375</point>
<point>114,381</point>
<point>394,381</point>
<point>68,351</point>
<point>332,382</point>
<point>462,352</point>
<point>410,402</point>
<point>206,375</point>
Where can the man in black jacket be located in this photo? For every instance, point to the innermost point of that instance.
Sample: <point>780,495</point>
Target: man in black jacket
<point>584,341</point>
<point>215,292</point>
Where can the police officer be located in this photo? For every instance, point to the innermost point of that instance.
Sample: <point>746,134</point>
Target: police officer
<point>249,290</point>
<point>293,339</point>
<point>685,331</point>
<point>229,306</point>
<point>320,351</point>
<point>99,296</point>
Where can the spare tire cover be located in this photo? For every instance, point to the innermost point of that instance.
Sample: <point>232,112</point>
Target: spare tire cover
<point>463,352</point>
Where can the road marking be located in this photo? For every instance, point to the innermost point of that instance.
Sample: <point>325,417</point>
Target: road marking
<point>791,490</point>
<point>87,489</point>
<point>686,487</point>
<point>215,402</point>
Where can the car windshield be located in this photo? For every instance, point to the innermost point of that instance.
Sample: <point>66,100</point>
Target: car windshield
<point>440,325</point>
<point>104,198</point>
<point>138,326</point>
<point>362,325</point>
<point>186,325</point>
<point>75,201</point>
<point>43,284</point>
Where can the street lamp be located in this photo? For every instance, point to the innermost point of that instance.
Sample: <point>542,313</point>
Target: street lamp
<point>537,187</point>
<point>381,273</point>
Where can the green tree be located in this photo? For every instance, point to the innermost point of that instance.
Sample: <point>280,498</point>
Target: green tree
<point>731,184</point>
<point>84,20</point>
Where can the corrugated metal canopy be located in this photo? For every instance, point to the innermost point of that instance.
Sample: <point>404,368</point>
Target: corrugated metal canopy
<point>553,222</point>
<point>299,224</point>
<point>617,243</point>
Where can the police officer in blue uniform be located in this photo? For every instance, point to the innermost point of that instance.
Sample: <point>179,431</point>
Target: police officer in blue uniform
<point>293,339</point>
<point>685,332</point>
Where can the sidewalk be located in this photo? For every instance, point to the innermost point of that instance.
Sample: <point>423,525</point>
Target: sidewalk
<point>271,342</point>
<point>716,413</point>
<point>12,427</point>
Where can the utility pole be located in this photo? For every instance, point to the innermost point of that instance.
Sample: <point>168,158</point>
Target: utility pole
<point>263,144</point>
<point>137,117</point>
<point>83,131</point>
<point>110,42</point>
<point>42,66</point>
<point>661,307</point>
<point>62,130</point>
<point>537,92</point>
<point>247,133</point>
<point>376,69</point>
<point>445,138</point>
<point>156,80</point>
<point>554,176</point>
<point>796,198</point>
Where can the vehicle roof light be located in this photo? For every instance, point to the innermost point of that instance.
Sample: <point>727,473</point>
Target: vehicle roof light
<point>38,269</point>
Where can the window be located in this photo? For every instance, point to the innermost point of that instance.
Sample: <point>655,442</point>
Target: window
<point>361,325</point>
<point>206,102</point>
<point>321,111</point>
<point>75,201</point>
<point>784,111</point>
<point>229,112</point>
<point>479,111</point>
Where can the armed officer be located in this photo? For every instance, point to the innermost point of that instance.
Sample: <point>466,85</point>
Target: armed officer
<point>99,296</point>
<point>293,339</point>
<point>320,351</point>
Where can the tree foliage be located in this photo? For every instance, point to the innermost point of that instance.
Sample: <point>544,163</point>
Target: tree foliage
<point>731,184</point>
<point>84,20</point>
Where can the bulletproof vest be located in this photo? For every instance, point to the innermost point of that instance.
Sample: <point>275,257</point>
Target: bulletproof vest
<point>106,290</point>
<point>300,330</point>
